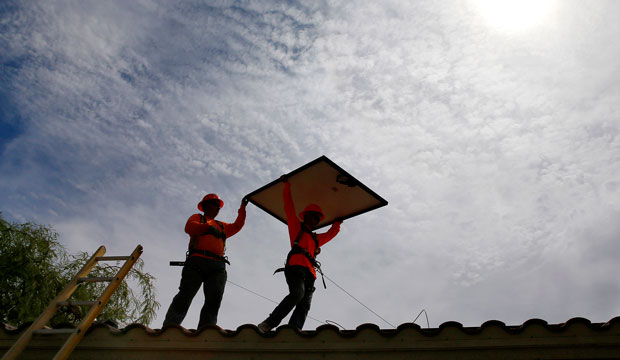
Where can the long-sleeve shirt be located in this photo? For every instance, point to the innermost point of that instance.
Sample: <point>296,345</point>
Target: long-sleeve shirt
<point>210,235</point>
<point>306,241</point>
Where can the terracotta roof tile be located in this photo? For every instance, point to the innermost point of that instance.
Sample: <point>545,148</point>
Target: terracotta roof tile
<point>577,338</point>
<point>510,329</point>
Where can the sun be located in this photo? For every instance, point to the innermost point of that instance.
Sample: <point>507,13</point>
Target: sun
<point>514,15</point>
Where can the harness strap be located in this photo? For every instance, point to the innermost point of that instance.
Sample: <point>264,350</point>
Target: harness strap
<point>209,254</point>
<point>313,235</point>
<point>296,249</point>
<point>212,230</point>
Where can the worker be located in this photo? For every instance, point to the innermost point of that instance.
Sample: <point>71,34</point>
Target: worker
<point>205,263</point>
<point>300,264</point>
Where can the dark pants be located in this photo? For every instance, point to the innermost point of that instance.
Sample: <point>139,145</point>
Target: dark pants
<point>301,287</point>
<point>199,271</point>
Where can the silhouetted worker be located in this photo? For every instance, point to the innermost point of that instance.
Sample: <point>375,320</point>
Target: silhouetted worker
<point>205,264</point>
<point>300,263</point>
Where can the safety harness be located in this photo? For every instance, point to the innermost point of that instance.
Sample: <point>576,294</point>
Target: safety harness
<point>212,230</point>
<point>296,249</point>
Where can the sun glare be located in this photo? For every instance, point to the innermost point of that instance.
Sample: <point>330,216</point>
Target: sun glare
<point>514,15</point>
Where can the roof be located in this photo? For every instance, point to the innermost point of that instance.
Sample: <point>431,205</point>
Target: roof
<point>578,338</point>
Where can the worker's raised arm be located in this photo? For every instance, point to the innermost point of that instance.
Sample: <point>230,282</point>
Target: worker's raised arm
<point>232,229</point>
<point>294,225</point>
<point>330,234</point>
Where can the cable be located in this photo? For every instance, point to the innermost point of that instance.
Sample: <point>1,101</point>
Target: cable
<point>255,293</point>
<point>353,297</point>
<point>266,298</point>
<point>329,321</point>
<point>425,314</point>
<point>334,323</point>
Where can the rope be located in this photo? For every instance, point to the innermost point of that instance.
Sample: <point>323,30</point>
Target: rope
<point>334,323</point>
<point>255,293</point>
<point>266,298</point>
<point>361,303</point>
<point>425,314</point>
<point>329,321</point>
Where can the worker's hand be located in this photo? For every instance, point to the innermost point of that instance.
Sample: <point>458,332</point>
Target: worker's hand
<point>338,221</point>
<point>244,201</point>
<point>284,178</point>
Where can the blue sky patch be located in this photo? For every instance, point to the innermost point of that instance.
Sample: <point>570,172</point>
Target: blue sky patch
<point>11,125</point>
<point>496,147</point>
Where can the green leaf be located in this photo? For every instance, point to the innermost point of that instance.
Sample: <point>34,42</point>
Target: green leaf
<point>35,267</point>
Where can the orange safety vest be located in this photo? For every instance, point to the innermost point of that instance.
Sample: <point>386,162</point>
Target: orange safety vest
<point>296,249</point>
<point>213,246</point>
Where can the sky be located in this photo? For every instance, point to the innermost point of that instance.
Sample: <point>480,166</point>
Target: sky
<point>492,131</point>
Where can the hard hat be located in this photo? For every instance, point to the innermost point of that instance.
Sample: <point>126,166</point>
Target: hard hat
<point>311,207</point>
<point>210,197</point>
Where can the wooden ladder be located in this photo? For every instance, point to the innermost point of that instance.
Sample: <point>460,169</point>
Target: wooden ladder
<point>61,300</point>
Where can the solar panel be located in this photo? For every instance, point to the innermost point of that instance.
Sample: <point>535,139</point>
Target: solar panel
<point>338,193</point>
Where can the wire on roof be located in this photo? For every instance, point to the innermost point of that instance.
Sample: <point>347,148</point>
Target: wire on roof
<point>334,323</point>
<point>266,298</point>
<point>361,303</point>
<point>328,321</point>
<point>425,314</point>
<point>253,292</point>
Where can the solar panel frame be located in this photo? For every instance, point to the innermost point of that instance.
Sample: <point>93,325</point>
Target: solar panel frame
<point>321,181</point>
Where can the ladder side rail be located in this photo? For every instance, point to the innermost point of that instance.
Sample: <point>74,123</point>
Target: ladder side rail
<point>83,326</point>
<point>49,312</point>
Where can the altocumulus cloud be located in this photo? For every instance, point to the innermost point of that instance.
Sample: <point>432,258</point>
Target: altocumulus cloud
<point>497,152</point>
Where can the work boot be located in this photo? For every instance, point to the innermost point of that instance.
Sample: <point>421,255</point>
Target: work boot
<point>264,327</point>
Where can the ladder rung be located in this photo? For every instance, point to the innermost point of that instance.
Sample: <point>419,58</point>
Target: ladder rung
<point>96,279</point>
<point>53,331</point>
<point>77,303</point>
<point>75,335</point>
<point>113,258</point>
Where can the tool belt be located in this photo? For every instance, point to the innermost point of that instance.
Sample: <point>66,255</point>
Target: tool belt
<point>209,254</point>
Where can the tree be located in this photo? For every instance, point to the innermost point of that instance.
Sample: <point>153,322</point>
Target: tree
<point>35,267</point>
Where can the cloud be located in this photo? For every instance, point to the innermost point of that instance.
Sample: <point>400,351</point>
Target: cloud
<point>496,152</point>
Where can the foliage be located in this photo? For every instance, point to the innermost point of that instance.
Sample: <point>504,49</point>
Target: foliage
<point>35,267</point>
<point>30,258</point>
